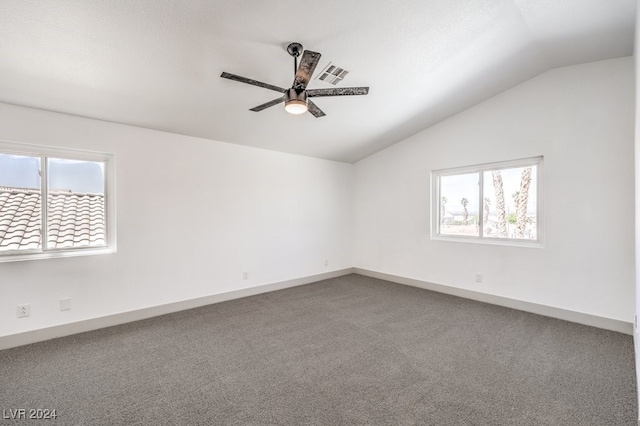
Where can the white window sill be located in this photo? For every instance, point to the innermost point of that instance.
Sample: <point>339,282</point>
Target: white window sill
<point>54,254</point>
<point>492,241</point>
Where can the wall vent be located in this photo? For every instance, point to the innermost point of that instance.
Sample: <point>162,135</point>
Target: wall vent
<point>332,74</point>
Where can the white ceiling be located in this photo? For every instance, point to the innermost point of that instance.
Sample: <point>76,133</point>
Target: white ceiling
<point>156,63</point>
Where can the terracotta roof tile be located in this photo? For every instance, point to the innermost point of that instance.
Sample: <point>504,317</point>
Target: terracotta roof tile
<point>75,219</point>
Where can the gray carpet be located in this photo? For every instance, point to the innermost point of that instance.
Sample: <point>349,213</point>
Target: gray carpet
<point>346,351</point>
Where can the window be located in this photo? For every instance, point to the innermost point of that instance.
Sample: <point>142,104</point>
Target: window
<point>78,215</point>
<point>494,203</point>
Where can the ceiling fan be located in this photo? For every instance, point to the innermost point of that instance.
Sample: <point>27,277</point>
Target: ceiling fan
<point>296,99</point>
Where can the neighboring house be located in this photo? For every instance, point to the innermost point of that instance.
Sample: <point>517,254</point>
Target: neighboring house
<point>75,219</point>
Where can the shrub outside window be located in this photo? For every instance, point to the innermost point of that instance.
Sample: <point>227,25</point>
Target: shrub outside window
<point>497,203</point>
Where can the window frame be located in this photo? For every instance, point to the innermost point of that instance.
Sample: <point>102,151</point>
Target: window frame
<point>44,153</point>
<point>435,234</point>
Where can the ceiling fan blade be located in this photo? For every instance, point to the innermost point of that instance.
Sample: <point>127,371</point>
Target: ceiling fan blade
<point>307,65</point>
<point>338,91</point>
<point>267,104</point>
<point>252,82</point>
<point>313,109</point>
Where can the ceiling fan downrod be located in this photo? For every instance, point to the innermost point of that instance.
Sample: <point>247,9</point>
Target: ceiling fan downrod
<point>295,49</point>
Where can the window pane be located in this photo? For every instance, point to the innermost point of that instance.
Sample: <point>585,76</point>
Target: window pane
<point>76,203</point>
<point>20,214</point>
<point>510,203</point>
<point>459,196</point>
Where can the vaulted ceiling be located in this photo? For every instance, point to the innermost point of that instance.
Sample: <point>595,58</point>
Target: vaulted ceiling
<point>157,63</point>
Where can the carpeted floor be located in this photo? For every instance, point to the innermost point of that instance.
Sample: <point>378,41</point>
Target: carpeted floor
<point>345,351</point>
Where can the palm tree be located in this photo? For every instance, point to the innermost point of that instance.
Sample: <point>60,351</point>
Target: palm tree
<point>523,199</point>
<point>499,190</point>
<point>515,197</point>
<point>465,213</point>
<point>443,203</point>
<point>487,209</point>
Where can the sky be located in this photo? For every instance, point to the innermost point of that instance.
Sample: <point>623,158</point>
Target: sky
<point>77,176</point>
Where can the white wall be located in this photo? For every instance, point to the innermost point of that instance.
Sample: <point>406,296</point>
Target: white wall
<point>192,215</point>
<point>580,118</point>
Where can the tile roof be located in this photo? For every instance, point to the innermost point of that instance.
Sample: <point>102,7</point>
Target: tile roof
<point>75,219</point>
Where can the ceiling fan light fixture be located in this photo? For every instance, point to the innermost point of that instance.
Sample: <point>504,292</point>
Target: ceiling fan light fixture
<point>296,107</point>
<point>296,102</point>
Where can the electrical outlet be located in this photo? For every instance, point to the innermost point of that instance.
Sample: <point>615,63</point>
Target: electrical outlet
<point>24,310</point>
<point>65,304</point>
<point>478,278</point>
<point>245,275</point>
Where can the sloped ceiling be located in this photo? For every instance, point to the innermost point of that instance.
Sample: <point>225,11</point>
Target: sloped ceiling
<point>156,63</point>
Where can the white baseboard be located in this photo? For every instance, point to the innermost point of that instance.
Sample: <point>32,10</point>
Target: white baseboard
<point>548,311</point>
<point>33,336</point>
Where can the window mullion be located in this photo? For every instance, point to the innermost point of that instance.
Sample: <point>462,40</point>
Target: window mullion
<point>107,201</point>
<point>480,204</point>
<point>438,204</point>
<point>44,201</point>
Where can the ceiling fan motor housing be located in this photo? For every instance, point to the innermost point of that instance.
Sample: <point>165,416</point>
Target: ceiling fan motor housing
<point>295,101</point>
